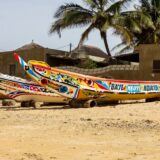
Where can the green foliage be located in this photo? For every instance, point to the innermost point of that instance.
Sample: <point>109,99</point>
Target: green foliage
<point>146,27</point>
<point>87,64</point>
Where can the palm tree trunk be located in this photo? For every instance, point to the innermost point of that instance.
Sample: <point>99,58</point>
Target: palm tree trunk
<point>104,37</point>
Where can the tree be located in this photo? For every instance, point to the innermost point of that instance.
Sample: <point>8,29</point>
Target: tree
<point>99,14</point>
<point>147,15</point>
<point>152,35</point>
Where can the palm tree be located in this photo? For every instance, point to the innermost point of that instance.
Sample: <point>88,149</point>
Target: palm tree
<point>147,15</point>
<point>152,8</point>
<point>99,14</point>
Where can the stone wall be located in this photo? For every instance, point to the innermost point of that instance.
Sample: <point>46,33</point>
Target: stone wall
<point>130,72</point>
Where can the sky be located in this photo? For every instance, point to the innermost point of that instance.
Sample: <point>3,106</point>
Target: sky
<point>22,21</point>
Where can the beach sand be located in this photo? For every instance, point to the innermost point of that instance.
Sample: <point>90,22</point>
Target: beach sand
<point>112,132</point>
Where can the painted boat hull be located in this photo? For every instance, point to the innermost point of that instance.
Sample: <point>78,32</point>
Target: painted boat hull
<point>23,90</point>
<point>83,87</point>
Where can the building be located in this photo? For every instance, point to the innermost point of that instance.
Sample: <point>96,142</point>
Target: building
<point>53,57</point>
<point>33,51</point>
<point>149,61</point>
<point>90,52</point>
<point>143,64</point>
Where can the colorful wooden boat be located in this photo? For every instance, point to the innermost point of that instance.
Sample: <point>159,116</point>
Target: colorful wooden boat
<point>80,87</point>
<point>22,90</point>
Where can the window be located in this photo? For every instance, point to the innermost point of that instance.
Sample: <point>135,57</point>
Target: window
<point>12,69</point>
<point>156,66</point>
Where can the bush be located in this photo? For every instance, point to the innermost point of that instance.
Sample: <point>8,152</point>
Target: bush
<point>87,64</point>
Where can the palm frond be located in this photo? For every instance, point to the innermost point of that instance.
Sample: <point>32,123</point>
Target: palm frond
<point>155,4</point>
<point>71,19</point>
<point>143,18</point>
<point>128,22</point>
<point>103,3</point>
<point>56,27</point>
<point>118,46</point>
<point>118,6</point>
<point>62,24</point>
<point>85,34</point>
<point>106,26</point>
<point>125,34</point>
<point>145,4</point>
<point>69,7</point>
<point>92,3</point>
<point>125,50</point>
<point>146,20</point>
<point>76,18</point>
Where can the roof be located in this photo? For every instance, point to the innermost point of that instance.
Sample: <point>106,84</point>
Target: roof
<point>131,57</point>
<point>31,45</point>
<point>90,50</point>
<point>57,53</point>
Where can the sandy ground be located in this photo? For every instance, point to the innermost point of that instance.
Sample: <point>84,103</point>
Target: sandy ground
<point>120,132</point>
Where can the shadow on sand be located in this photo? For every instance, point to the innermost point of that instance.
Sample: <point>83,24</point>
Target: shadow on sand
<point>66,106</point>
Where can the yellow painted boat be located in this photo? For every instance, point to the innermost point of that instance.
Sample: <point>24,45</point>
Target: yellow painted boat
<point>81,87</point>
